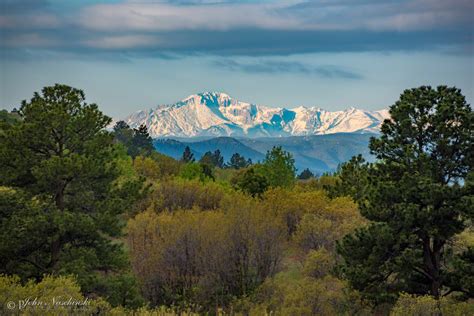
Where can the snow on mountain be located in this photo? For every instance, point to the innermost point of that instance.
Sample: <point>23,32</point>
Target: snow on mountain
<point>217,114</point>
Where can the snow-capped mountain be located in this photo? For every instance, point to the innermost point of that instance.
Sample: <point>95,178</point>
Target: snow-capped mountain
<point>217,114</point>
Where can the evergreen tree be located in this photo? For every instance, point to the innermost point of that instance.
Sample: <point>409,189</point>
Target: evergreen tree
<point>207,158</point>
<point>218,159</point>
<point>418,195</point>
<point>123,133</point>
<point>62,207</point>
<point>142,141</point>
<point>213,159</point>
<point>306,174</point>
<point>250,182</point>
<point>352,179</point>
<point>238,162</point>
<point>137,141</point>
<point>207,171</point>
<point>279,168</point>
<point>188,156</point>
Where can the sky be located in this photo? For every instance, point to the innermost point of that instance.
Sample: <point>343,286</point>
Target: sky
<point>129,55</point>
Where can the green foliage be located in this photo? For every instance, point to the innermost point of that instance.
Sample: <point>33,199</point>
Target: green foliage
<point>51,296</point>
<point>202,172</point>
<point>428,306</point>
<point>251,182</point>
<point>7,119</point>
<point>137,141</point>
<point>279,168</point>
<point>352,179</point>
<point>167,165</point>
<point>147,167</point>
<point>318,263</point>
<point>238,162</point>
<point>61,210</point>
<point>175,194</point>
<point>204,257</point>
<point>415,196</point>
<point>286,295</point>
<point>188,156</point>
<point>291,206</point>
<point>123,290</point>
<point>305,174</point>
<point>213,159</point>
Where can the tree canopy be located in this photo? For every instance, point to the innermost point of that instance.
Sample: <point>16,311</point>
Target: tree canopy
<point>418,195</point>
<point>137,140</point>
<point>60,210</point>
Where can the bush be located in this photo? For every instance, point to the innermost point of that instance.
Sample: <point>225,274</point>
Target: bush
<point>46,296</point>
<point>178,193</point>
<point>203,259</point>
<point>318,263</point>
<point>305,296</point>
<point>428,306</point>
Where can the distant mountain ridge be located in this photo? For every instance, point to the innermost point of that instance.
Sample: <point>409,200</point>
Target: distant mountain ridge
<point>319,153</point>
<point>217,114</point>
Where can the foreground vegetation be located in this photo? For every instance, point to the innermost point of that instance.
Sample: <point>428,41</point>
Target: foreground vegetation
<point>99,223</point>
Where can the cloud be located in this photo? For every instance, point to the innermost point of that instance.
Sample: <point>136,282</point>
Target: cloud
<point>123,41</point>
<point>29,21</point>
<point>172,17</point>
<point>30,40</point>
<point>15,6</point>
<point>225,27</point>
<point>312,15</point>
<point>281,67</point>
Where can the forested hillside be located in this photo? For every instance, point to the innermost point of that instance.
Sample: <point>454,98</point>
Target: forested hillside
<point>96,222</point>
<point>319,153</point>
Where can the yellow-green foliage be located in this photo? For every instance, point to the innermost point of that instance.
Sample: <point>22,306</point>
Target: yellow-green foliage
<point>305,296</point>
<point>159,311</point>
<point>316,183</point>
<point>428,306</point>
<point>124,164</point>
<point>318,263</point>
<point>224,175</point>
<point>323,226</point>
<point>60,289</point>
<point>147,167</point>
<point>323,215</point>
<point>45,297</point>
<point>156,166</point>
<point>464,240</point>
<point>205,257</point>
<point>179,193</point>
<point>168,166</point>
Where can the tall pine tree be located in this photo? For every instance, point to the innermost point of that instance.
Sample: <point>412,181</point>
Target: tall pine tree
<point>418,196</point>
<point>61,203</point>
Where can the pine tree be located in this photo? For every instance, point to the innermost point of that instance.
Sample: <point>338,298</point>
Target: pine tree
<point>213,159</point>
<point>306,174</point>
<point>62,205</point>
<point>218,160</point>
<point>418,195</point>
<point>137,141</point>
<point>188,156</point>
<point>238,162</point>
<point>250,182</point>
<point>142,141</point>
<point>279,168</point>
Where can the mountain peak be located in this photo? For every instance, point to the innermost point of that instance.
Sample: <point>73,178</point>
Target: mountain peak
<point>208,95</point>
<point>214,113</point>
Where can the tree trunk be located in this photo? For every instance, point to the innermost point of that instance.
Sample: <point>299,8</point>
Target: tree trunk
<point>431,260</point>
